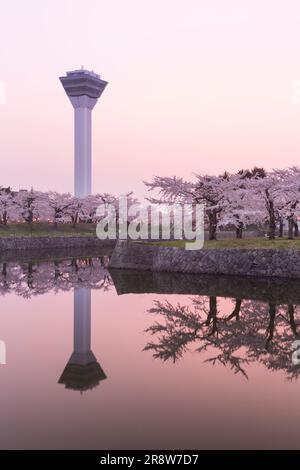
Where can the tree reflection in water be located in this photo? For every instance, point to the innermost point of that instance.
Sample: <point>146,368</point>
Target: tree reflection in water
<point>254,332</point>
<point>82,371</point>
<point>36,278</point>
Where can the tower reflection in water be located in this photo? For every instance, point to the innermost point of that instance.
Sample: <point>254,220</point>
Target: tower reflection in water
<point>82,371</point>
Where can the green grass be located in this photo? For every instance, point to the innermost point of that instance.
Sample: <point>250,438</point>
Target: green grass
<point>66,230</point>
<point>259,242</point>
<point>46,230</point>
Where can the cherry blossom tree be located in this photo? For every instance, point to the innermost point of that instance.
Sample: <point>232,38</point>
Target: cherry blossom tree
<point>59,205</point>
<point>240,208</point>
<point>211,191</point>
<point>205,190</point>
<point>249,197</point>
<point>6,205</point>
<point>289,179</point>
<point>31,205</point>
<point>277,196</point>
<point>91,203</point>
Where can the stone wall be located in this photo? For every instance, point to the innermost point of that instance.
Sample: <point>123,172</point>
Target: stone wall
<point>29,243</point>
<point>28,248</point>
<point>232,261</point>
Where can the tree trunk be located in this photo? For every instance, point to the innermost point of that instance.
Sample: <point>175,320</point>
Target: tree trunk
<point>272,228</point>
<point>74,264</point>
<point>5,218</point>
<point>272,313</point>
<point>57,272</point>
<point>212,315</point>
<point>74,220</point>
<point>272,219</point>
<point>296,228</point>
<point>30,275</point>
<point>4,270</point>
<point>212,217</point>
<point>236,311</point>
<point>239,230</point>
<point>290,228</point>
<point>291,312</point>
<point>280,228</point>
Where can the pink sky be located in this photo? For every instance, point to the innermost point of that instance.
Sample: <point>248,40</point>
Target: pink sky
<point>194,86</point>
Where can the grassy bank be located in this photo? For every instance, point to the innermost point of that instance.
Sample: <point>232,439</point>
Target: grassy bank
<point>47,230</point>
<point>67,230</point>
<point>244,243</point>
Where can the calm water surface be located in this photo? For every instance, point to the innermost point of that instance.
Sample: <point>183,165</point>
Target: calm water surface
<point>100,360</point>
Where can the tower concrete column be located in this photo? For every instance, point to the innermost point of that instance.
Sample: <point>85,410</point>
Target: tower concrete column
<point>82,323</point>
<point>83,152</point>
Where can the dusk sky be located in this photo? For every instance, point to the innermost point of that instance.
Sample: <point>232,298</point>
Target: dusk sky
<point>194,86</point>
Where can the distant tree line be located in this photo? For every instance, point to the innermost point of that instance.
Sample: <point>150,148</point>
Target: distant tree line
<point>30,206</point>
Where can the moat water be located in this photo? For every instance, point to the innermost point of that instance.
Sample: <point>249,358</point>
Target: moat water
<point>99,359</point>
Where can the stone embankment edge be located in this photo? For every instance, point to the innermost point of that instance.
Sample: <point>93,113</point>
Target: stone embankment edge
<point>229,261</point>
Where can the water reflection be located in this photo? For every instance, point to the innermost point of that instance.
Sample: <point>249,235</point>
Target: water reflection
<point>252,332</point>
<point>82,371</point>
<point>259,324</point>
<point>31,278</point>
